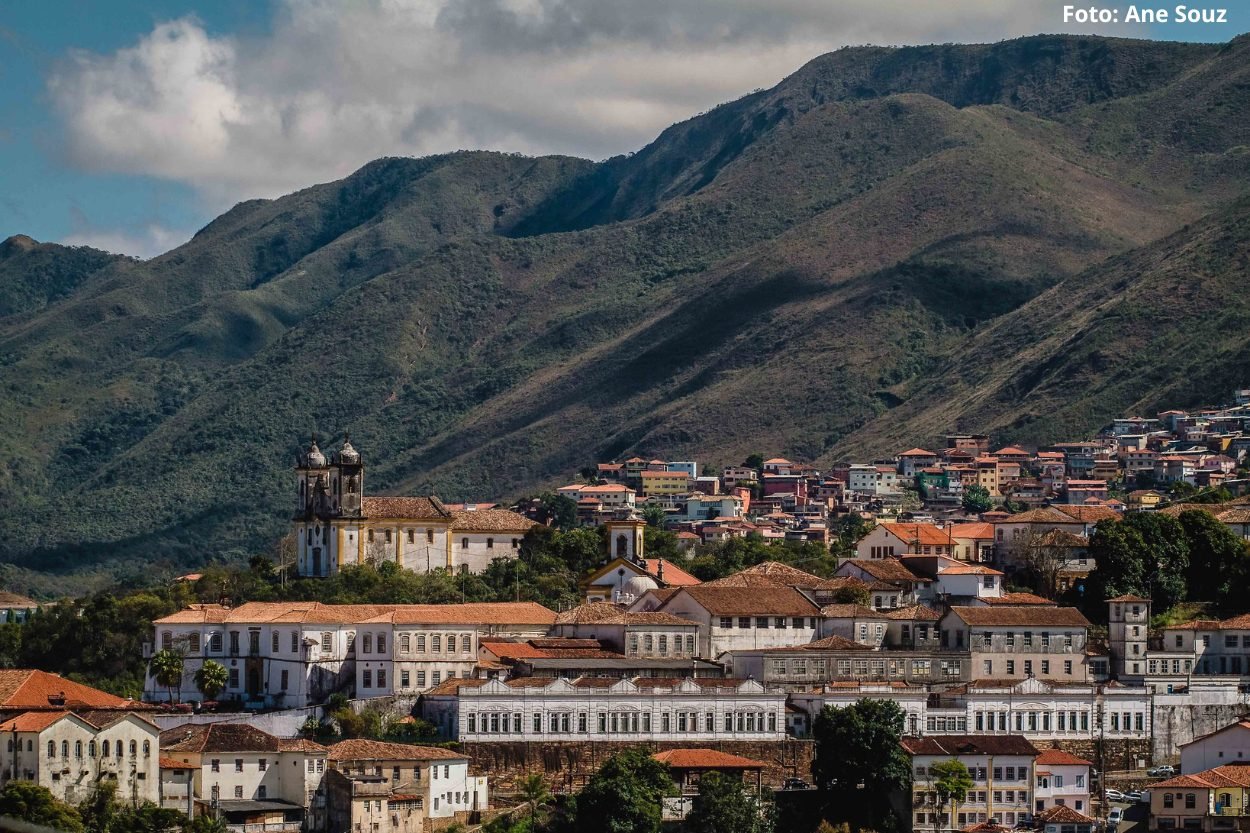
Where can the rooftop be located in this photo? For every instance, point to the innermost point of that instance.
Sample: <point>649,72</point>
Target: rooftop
<point>705,759</point>
<point>954,745</point>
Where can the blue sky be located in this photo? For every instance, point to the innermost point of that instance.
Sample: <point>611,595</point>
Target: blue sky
<point>128,125</point>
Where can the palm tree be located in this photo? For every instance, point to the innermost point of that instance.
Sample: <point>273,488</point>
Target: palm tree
<point>210,678</point>
<point>167,671</point>
<point>534,792</point>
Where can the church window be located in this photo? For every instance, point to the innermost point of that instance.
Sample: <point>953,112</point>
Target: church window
<point>167,640</point>
<point>64,749</point>
<point>77,749</point>
<point>134,749</point>
<point>193,643</point>
<point>120,749</point>
<point>91,749</point>
<point>147,749</point>
<point>104,749</point>
<point>429,536</point>
<point>490,543</point>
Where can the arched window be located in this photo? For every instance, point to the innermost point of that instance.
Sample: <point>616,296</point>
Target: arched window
<point>134,749</point>
<point>193,643</point>
<point>167,640</point>
<point>91,749</point>
<point>622,543</point>
<point>436,642</point>
<point>451,643</point>
<point>104,750</point>
<point>214,642</point>
<point>120,749</point>
<point>405,643</point>
<point>51,749</point>
<point>77,749</point>
<point>64,749</point>
<point>420,643</point>
<point>147,749</point>
<point>309,535</point>
<point>274,642</point>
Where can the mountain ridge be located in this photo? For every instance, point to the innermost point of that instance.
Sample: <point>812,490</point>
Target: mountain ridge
<point>813,270</point>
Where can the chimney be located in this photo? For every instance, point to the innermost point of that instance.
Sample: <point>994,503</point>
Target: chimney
<point>659,571</point>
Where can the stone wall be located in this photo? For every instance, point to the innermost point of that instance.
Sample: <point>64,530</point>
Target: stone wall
<point>569,765</point>
<point>1180,718</point>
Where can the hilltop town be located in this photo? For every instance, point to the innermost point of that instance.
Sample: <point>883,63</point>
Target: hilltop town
<point>1062,625</point>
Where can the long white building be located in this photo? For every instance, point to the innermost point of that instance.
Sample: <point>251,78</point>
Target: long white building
<point>601,709</point>
<point>293,654</point>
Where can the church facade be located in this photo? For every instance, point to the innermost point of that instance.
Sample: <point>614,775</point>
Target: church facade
<point>336,524</point>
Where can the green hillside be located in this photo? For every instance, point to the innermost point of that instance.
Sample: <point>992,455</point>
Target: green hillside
<point>889,244</point>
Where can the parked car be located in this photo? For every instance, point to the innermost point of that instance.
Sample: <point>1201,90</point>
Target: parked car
<point>795,784</point>
<point>1134,796</point>
<point>1114,795</point>
<point>1165,771</point>
<point>1115,816</point>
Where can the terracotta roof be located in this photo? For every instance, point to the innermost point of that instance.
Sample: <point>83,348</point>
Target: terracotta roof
<point>1129,597</point>
<point>32,721</point>
<point>917,452</point>
<point>1044,515</point>
<point>28,689</point>
<point>886,569</point>
<point>914,613</point>
<point>1032,615</point>
<point>607,613</point>
<point>749,601</point>
<point>1089,514</point>
<point>423,508</point>
<point>217,737</point>
<point>978,529</point>
<point>674,576</point>
<point>12,600</point>
<point>1057,757</point>
<point>486,613</point>
<point>923,534</point>
<point>839,582</point>
<point>1062,538</point>
<point>1018,600</point>
<point>964,568</point>
<point>969,745</point>
<point>300,745</point>
<point>1012,450</point>
<point>173,763</point>
<point>776,460</point>
<point>850,611</point>
<point>1189,781</point>
<point>360,749</point>
<point>1063,814</point>
<point>454,685</point>
<point>829,643</point>
<point>705,759</point>
<point>491,520</point>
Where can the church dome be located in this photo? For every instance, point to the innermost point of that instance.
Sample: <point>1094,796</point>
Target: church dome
<point>637,586</point>
<point>314,458</point>
<point>348,453</point>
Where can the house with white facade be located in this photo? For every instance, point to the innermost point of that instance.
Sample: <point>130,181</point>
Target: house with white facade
<point>1062,780</point>
<point>436,782</point>
<point>635,634</point>
<point>293,654</point>
<point>249,776</point>
<point>1229,745</point>
<point>731,617</point>
<point>593,709</point>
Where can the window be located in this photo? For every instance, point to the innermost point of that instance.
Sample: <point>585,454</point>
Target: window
<point>238,791</point>
<point>404,679</point>
<point>366,679</point>
<point>726,622</point>
<point>405,643</point>
<point>464,543</point>
<point>744,621</point>
<point>238,764</point>
<point>193,643</point>
<point>285,680</point>
<point>327,642</point>
<point>134,749</point>
<point>490,543</point>
<point>233,679</point>
<point>451,643</point>
<point>429,536</point>
<point>381,678</point>
<point>147,749</point>
<point>381,643</point>
<point>52,748</point>
<point>420,643</point>
<point>1190,801</point>
<point>167,640</point>
<point>366,645</point>
<point>77,749</point>
<point>215,765</point>
<point>263,764</point>
<point>436,643</point>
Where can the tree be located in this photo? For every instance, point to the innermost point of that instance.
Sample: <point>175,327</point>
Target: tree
<point>754,461</point>
<point>859,761</point>
<point>210,679</point>
<point>32,803</point>
<point>533,791</point>
<point>852,594</point>
<point>977,500</point>
<point>722,805</point>
<point>1041,560</point>
<point>167,668</point>
<point>654,515</point>
<point>952,782</point>
<point>1219,561</point>
<point>625,795</point>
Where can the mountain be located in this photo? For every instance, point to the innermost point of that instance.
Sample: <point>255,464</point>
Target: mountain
<point>890,244</point>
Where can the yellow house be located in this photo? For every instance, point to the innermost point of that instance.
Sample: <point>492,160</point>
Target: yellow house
<point>1201,800</point>
<point>1145,499</point>
<point>665,482</point>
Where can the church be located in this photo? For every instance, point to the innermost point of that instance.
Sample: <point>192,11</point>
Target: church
<point>335,524</point>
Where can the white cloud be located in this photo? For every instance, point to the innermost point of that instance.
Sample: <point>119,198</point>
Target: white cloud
<point>148,241</point>
<point>334,85</point>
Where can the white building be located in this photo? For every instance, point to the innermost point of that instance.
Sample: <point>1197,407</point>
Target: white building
<point>71,753</point>
<point>732,618</point>
<point>600,709</point>
<point>1001,767</point>
<point>1062,780</point>
<point>1229,745</point>
<point>293,654</point>
<point>248,775</point>
<point>439,779</point>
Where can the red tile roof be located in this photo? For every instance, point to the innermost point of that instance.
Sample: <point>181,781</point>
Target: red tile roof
<point>674,576</point>
<point>360,749</point>
<point>1063,814</point>
<point>173,763</point>
<point>28,689</point>
<point>1018,600</point>
<point>491,520</point>
<point>705,759</point>
<point>32,721</point>
<point>1001,615</point>
<point>969,745</point>
<point>606,613</point>
<point>923,534</point>
<point>749,601</point>
<point>423,508</point>
<point>1089,514</point>
<point>1057,757</point>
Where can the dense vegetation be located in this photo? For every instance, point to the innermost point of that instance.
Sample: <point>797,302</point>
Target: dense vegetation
<point>890,244</point>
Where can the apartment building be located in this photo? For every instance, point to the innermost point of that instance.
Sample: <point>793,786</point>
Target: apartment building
<point>1001,767</point>
<point>1015,643</point>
